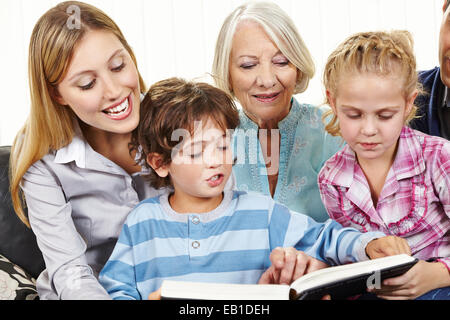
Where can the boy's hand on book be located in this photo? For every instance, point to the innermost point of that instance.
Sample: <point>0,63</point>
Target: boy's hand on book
<point>155,295</point>
<point>288,265</point>
<point>387,246</point>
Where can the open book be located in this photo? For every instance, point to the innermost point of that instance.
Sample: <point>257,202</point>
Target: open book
<point>339,281</point>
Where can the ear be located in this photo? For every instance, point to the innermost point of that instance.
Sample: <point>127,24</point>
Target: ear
<point>299,75</point>
<point>60,100</point>
<point>54,93</point>
<point>230,84</point>
<point>331,101</point>
<point>155,161</point>
<point>410,102</point>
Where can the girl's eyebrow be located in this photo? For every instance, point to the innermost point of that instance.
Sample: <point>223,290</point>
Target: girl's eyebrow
<point>115,53</point>
<point>344,106</point>
<point>388,108</point>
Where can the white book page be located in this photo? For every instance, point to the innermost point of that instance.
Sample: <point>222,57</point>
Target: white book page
<point>223,291</point>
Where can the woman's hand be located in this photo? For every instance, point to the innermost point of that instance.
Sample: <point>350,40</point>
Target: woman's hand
<point>288,265</point>
<point>423,277</point>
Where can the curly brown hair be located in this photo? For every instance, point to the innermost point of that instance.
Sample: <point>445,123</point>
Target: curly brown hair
<point>174,104</point>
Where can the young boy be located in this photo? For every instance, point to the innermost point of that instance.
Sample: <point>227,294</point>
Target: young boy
<point>196,230</point>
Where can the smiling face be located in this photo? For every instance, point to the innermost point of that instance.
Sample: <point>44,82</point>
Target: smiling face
<point>261,77</point>
<point>102,84</point>
<point>372,111</point>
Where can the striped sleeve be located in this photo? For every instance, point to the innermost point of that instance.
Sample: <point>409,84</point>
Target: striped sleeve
<point>118,275</point>
<point>328,241</point>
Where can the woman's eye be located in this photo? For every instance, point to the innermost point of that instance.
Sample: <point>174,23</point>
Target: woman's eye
<point>118,68</point>
<point>88,86</point>
<point>282,62</point>
<point>247,66</point>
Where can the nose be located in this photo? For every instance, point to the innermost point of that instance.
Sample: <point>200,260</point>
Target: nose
<point>266,77</point>
<point>369,127</point>
<point>112,89</point>
<point>212,157</point>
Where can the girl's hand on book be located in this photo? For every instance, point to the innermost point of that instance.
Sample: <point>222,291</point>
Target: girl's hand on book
<point>387,246</point>
<point>155,295</point>
<point>288,265</point>
<point>423,277</point>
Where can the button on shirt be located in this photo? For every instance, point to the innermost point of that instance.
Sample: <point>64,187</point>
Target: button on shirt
<point>77,203</point>
<point>414,203</point>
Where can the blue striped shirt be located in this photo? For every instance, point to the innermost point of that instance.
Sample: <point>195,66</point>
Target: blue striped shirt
<point>230,244</point>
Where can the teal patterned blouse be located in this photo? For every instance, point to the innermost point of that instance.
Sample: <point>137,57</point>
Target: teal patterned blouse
<point>304,147</point>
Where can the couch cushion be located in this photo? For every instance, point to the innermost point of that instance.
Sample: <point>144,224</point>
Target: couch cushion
<point>15,283</point>
<point>17,241</point>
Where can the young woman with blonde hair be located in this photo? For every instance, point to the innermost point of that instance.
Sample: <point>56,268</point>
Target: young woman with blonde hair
<point>70,163</point>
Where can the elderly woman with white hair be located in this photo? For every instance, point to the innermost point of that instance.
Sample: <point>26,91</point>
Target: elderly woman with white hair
<point>262,61</point>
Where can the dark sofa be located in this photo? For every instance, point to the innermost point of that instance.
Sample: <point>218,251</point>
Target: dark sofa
<point>17,241</point>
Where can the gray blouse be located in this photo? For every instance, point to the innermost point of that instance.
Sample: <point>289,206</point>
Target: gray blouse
<point>77,203</point>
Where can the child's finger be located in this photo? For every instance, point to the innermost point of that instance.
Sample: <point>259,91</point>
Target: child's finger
<point>155,295</point>
<point>270,276</point>
<point>315,264</point>
<point>397,281</point>
<point>400,294</point>
<point>301,265</point>
<point>290,261</point>
<point>401,246</point>
<point>392,297</point>
<point>406,248</point>
<point>277,257</point>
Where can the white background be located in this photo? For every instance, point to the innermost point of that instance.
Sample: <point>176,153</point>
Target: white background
<point>177,37</point>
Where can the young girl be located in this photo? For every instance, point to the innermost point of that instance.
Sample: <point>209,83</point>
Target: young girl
<point>388,177</point>
<point>71,160</point>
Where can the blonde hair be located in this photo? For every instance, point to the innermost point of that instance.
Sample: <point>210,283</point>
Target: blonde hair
<point>381,53</point>
<point>49,125</point>
<point>278,26</point>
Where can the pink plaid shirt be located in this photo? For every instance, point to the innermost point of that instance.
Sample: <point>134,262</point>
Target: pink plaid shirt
<point>414,203</point>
